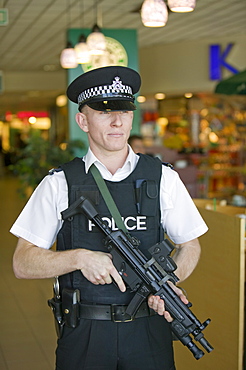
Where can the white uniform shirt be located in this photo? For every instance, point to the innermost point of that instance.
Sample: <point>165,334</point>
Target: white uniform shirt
<point>40,220</point>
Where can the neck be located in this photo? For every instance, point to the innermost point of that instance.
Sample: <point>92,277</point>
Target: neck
<point>112,160</point>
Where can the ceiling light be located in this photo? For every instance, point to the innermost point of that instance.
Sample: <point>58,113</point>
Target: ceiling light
<point>96,41</point>
<point>141,99</point>
<point>82,51</point>
<point>181,6</point>
<point>81,48</point>
<point>61,100</point>
<point>188,95</point>
<point>160,96</point>
<point>154,13</point>
<point>68,57</point>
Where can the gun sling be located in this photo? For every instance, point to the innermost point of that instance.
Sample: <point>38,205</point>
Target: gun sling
<point>108,198</point>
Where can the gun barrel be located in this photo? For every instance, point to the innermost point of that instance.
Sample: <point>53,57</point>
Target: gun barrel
<point>197,352</point>
<point>206,345</point>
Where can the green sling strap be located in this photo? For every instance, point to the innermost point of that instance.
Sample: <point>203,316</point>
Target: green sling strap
<point>108,198</point>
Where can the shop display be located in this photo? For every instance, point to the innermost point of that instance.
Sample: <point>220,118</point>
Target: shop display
<point>208,132</point>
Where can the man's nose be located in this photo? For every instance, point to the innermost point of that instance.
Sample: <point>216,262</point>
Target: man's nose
<point>116,119</point>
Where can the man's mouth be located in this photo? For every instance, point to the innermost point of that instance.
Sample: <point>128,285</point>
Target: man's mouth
<point>115,134</point>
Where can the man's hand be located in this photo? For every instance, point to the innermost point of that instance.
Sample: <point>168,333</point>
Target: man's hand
<point>158,304</point>
<point>99,269</point>
<point>32,262</point>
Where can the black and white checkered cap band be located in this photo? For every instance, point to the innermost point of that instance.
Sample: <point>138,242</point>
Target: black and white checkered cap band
<point>104,91</point>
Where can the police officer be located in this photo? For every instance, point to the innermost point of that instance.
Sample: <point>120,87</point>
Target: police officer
<point>105,337</point>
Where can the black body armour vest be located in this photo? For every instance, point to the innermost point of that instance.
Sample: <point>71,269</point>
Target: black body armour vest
<point>137,198</point>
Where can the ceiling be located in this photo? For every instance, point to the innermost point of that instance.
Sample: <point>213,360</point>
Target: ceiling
<point>36,33</point>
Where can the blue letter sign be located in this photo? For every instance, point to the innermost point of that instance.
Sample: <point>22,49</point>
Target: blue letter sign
<point>217,61</point>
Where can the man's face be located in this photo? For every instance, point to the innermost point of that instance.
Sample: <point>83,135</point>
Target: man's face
<point>107,131</point>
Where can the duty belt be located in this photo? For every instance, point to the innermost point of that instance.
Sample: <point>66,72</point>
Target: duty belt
<point>116,313</point>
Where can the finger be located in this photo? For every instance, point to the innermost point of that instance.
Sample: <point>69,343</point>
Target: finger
<point>98,280</point>
<point>150,301</point>
<point>167,316</point>
<point>102,279</point>
<point>160,307</point>
<point>162,312</point>
<point>184,299</point>
<point>118,280</point>
<point>181,294</point>
<point>107,279</point>
<point>153,301</point>
<point>157,304</point>
<point>179,291</point>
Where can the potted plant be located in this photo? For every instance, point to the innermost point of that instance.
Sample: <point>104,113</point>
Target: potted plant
<point>38,157</point>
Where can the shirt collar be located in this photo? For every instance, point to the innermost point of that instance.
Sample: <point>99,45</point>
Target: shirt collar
<point>130,163</point>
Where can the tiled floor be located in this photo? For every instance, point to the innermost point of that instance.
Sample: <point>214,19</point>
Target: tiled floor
<point>27,334</point>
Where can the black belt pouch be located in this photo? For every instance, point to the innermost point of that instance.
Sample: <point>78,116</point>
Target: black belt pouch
<point>70,307</point>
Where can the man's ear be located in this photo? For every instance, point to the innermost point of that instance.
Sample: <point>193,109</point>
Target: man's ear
<point>82,121</point>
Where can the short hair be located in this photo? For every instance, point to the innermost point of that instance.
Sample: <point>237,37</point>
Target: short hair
<point>134,137</point>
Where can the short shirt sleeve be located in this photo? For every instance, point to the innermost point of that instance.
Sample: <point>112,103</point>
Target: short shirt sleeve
<point>40,219</point>
<point>179,216</point>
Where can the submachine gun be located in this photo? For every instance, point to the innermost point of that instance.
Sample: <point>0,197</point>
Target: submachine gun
<point>147,277</point>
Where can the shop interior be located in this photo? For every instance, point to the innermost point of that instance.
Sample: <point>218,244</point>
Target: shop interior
<point>203,136</point>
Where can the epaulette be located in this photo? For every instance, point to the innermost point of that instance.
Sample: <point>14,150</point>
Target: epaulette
<point>167,164</point>
<point>53,170</point>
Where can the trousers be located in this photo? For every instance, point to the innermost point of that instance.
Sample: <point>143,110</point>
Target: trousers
<point>142,344</point>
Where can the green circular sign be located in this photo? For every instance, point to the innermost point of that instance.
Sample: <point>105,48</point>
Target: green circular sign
<point>115,54</point>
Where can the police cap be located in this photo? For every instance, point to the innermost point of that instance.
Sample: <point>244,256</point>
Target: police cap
<point>106,89</point>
